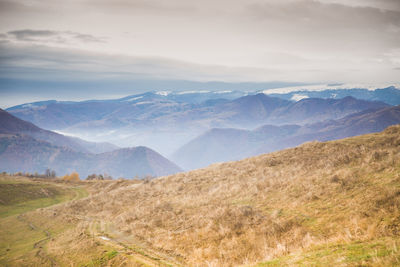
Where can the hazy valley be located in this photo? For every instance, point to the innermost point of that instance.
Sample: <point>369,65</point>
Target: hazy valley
<point>191,129</point>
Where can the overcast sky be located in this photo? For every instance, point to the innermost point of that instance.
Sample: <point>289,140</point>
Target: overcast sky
<point>302,41</point>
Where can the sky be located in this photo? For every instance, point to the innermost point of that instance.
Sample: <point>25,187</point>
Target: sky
<point>81,49</point>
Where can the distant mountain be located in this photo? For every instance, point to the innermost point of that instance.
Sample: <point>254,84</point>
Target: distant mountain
<point>57,115</point>
<point>10,124</point>
<point>165,121</point>
<point>156,108</point>
<point>136,161</point>
<point>369,121</point>
<point>316,109</point>
<point>219,145</point>
<point>389,95</point>
<point>26,147</point>
<point>251,109</point>
<point>24,153</point>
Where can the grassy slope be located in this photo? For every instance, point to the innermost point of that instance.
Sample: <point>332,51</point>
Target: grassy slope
<point>20,236</point>
<point>33,235</point>
<point>314,204</point>
<point>334,203</point>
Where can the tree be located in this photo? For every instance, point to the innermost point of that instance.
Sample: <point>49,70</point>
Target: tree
<point>49,173</point>
<point>74,177</point>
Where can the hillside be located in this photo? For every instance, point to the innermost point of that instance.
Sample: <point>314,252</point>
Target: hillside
<point>24,153</point>
<point>318,204</point>
<point>219,145</point>
<point>10,124</point>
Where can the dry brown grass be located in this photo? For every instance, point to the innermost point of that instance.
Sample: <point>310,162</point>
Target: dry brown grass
<point>262,207</point>
<point>257,209</point>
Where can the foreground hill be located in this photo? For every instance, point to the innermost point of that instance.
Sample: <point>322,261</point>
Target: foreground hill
<point>10,124</point>
<point>218,145</point>
<point>334,203</point>
<point>24,153</point>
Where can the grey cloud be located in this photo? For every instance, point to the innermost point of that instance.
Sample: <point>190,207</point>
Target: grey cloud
<point>30,35</point>
<point>322,14</point>
<point>326,26</point>
<point>137,6</point>
<point>87,38</point>
<point>281,39</point>
<point>41,62</point>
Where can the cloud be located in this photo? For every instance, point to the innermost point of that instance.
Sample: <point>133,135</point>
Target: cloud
<point>380,4</point>
<point>25,61</point>
<point>319,15</point>
<point>291,40</point>
<point>48,36</point>
<point>29,35</point>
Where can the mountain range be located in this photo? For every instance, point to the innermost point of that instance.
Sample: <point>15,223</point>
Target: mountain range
<point>28,148</point>
<point>194,128</point>
<point>166,121</point>
<point>389,95</point>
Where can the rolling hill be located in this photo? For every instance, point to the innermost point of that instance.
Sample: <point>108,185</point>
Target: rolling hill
<point>218,145</point>
<point>26,154</point>
<point>319,204</point>
<point>26,147</point>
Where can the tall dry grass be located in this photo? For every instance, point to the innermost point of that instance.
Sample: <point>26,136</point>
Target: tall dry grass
<point>262,207</point>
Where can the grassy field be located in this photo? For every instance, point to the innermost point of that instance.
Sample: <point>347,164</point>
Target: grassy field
<point>33,233</point>
<point>21,239</point>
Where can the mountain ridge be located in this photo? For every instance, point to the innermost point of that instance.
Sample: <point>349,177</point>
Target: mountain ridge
<point>26,147</point>
<point>13,125</point>
<point>233,144</point>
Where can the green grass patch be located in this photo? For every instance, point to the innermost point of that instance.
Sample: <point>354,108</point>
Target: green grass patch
<point>101,261</point>
<point>374,253</point>
<point>17,197</point>
<point>16,239</point>
<point>18,235</point>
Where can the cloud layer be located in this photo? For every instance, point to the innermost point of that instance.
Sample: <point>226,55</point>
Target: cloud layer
<point>235,40</point>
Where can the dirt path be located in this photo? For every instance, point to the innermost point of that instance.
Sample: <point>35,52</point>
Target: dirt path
<point>39,245</point>
<point>41,253</point>
<point>104,232</point>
